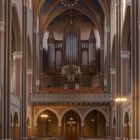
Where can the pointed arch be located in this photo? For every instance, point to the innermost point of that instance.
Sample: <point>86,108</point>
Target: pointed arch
<point>16,29</point>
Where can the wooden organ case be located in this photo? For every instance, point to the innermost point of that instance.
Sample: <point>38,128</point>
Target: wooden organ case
<point>71,62</point>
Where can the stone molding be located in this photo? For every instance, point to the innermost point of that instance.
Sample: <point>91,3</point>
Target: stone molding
<point>71,98</point>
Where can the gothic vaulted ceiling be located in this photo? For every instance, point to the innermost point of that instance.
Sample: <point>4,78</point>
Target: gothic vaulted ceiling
<point>96,10</point>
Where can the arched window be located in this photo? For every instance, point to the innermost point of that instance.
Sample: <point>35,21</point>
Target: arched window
<point>71,48</point>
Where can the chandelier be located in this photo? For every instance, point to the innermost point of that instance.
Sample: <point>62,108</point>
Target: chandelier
<point>69,3</point>
<point>70,72</point>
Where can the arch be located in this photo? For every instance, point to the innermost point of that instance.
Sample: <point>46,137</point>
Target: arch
<point>16,28</point>
<point>44,109</point>
<point>126,29</point>
<point>16,119</point>
<point>69,109</point>
<point>47,122</point>
<point>95,125</point>
<point>60,11</point>
<point>126,118</point>
<point>101,111</point>
<point>114,121</point>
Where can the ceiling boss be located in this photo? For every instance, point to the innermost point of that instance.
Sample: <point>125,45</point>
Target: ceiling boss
<point>69,3</point>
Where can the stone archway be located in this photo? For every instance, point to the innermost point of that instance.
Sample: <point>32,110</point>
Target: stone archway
<point>95,125</point>
<point>47,124</point>
<point>71,125</point>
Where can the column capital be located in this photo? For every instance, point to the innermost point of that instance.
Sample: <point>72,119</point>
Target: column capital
<point>125,54</point>
<point>29,71</point>
<point>115,3</point>
<point>35,30</point>
<point>17,55</point>
<point>113,71</point>
<point>2,26</point>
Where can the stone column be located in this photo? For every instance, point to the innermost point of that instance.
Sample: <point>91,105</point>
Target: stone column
<point>2,24</point>
<point>118,106</point>
<point>135,51</point>
<point>113,79</point>
<point>108,59</point>
<point>17,65</point>
<point>125,55</point>
<point>59,130</point>
<point>29,84</point>
<point>6,116</point>
<point>23,110</point>
<point>82,130</point>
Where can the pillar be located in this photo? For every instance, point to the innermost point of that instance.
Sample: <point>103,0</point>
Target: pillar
<point>59,130</point>
<point>113,79</point>
<point>108,59</point>
<point>135,36</point>
<point>23,110</point>
<point>82,130</point>
<point>29,84</point>
<point>17,65</point>
<point>125,55</point>
<point>118,106</point>
<point>15,132</point>
<point>6,116</point>
<point>2,24</point>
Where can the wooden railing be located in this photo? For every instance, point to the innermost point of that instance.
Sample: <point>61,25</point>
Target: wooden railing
<point>80,90</point>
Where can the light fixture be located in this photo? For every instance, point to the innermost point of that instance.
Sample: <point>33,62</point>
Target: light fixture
<point>44,116</point>
<point>69,3</point>
<point>92,120</point>
<point>49,120</point>
<point>71,119</point>
<point>120,99</point>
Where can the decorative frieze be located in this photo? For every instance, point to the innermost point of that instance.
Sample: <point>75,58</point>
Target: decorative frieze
<point>2,26</point>
<point>71,98</point>
<point>125,54</point>
<point>17,55</point>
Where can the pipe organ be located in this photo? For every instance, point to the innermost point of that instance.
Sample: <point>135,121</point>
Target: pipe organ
<point>74,53</point>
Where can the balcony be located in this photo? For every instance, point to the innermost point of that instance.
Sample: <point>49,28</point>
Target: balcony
<point>72,98</point>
